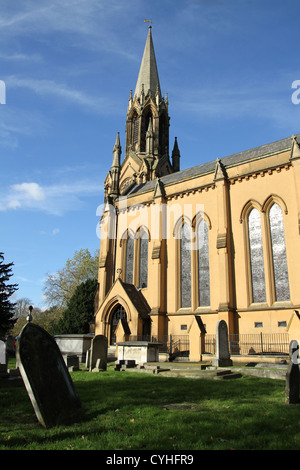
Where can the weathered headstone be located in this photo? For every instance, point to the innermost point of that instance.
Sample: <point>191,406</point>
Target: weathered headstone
<point>222,346</point>
<point>292,375</point>
<point>98,354</point>
<point>87,358</point>
<point>72,362</point>
<point>46,378</point>
<point>3,359</point>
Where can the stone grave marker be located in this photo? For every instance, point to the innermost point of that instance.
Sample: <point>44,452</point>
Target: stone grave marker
<point>222,346</point>
<point>3,359</point>
<point>292,375</point>
<point>46,378</point>
<point>98,353</point>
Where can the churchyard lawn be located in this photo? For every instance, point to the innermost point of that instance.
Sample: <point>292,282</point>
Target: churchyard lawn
<point>136,411</point>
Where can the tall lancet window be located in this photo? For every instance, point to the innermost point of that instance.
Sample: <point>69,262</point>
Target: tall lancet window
<point>203,264</point>
<point>143,260</point>
<point>185,266</point>
<point>135,129</point>
<point>256,257</point>
<point>129,260</point>
<point>280,269</point>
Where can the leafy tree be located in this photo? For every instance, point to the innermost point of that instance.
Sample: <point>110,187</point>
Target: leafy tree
<point>7,308</point>
<point>59,287</point>
<point>80,310</point>
<point>44,319</point>
<point>22,307</point>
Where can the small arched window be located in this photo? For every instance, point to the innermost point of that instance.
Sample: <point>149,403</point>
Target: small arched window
<point>280,269</point>
<point>256,257</point>
<point>185,266</point>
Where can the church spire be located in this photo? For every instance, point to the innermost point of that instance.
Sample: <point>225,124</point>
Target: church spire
<point>148,75</point>
<point>117,152</point>
<point>115,170</point>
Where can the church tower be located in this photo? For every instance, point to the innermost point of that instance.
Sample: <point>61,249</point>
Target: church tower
<point>147,133</point>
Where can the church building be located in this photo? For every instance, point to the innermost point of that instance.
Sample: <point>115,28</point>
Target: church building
<point>182,249</point>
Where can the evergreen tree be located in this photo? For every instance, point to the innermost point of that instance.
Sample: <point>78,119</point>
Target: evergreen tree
<point>7,308</point>
<point>80,310</point>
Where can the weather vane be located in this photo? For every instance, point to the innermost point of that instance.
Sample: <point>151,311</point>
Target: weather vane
<point>149,21</point>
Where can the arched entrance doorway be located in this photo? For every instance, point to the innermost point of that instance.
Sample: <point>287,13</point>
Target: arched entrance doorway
<point>117,314</point>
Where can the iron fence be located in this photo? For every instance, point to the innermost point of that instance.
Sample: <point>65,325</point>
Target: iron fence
<point>247,344</point>
<point>239,344</point>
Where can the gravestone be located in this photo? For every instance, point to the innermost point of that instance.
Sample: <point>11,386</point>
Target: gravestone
<point>72,362</point>
<point>3,359</point>
<point>98,353</point>
<point>292,375</point>
<point>222,346</point>
<point>46,378</point>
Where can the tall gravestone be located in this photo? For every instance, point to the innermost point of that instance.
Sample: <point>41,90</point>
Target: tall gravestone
<point>46,378</point>
<point>3,359</point>
<point>98,353</point>
<point>293,375</point>
<point>222,346</point>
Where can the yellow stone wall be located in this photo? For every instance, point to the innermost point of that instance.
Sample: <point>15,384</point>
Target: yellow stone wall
<point>226,203</point>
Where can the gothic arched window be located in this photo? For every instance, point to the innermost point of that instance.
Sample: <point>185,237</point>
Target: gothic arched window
<point>203,264</point>
<point>129,260</point>
<point>256,257</point>
<point>185,266</point>
<point>280,269</point>
<point>143,260</point>
<point>135,129</point>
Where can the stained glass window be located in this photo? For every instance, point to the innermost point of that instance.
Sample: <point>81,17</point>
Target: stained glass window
<point>280,269</point>
<point>185,266</point>
<point>143,262</point>
<point>256,257</point>
<point>129,260</point>
<point>203,264</point>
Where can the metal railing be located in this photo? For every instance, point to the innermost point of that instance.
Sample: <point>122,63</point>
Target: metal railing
<point>239,344</point>
<point>247,344</point>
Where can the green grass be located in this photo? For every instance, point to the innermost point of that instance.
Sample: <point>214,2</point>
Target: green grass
<point>131,411</point>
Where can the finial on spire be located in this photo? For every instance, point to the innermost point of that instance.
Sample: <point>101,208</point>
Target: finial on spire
<point>149,21</point>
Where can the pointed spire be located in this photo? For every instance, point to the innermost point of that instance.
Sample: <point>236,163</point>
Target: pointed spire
<point>148,74</point>
<point>176,156</point>
<point>117,152</point>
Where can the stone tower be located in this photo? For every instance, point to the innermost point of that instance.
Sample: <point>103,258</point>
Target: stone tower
<point>147,133</point>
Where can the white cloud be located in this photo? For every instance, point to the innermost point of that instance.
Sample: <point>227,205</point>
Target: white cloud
<point>100,104</point>
<point>30,191</point>
<point>55,231</point>
<point>56,199</point>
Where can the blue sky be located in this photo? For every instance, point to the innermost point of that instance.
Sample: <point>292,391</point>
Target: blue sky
<point>68,67</point>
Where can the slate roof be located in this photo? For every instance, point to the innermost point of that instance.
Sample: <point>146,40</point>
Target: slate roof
<point>209,167</point>
<point>137,299</point>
